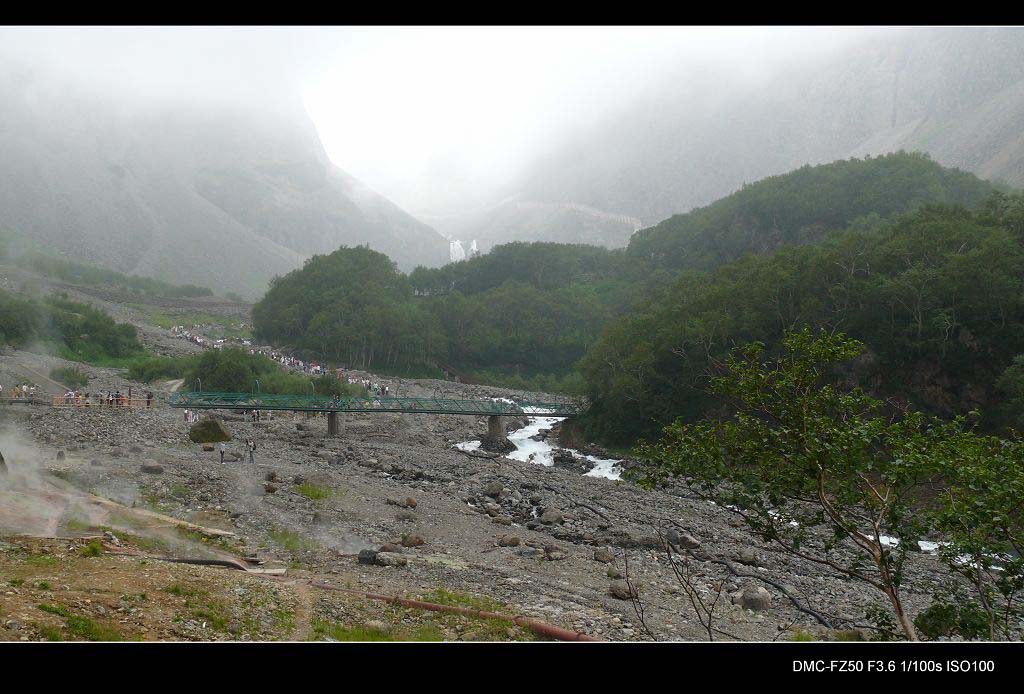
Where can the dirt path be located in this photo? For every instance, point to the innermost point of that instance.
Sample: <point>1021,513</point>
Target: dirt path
<point>305,596</point>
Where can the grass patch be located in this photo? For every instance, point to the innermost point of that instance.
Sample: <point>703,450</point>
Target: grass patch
<point>41,560</point>
<point>484,629</point>
<point>93,549</point>
<point>443,596</point>
<point>202,605</point>
<point>49,633</point>
<point>293,542</point>
<point>214,326</point>
<point>77,526</point>
<point>82,627</point>
<point>340,632</point>
<point>314,492</point>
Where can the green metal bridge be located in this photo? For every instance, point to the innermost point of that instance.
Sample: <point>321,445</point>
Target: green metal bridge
<point>198,400</point>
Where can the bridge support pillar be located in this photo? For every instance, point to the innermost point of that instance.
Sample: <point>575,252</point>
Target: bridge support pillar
<point>496,441</point>
<point>496,426</point>
<point>332,424</point>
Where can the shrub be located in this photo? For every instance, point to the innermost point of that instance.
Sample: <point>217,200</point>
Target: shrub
<point>70,376</point>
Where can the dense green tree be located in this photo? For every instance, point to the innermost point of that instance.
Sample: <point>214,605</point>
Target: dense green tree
<point>937,295</point>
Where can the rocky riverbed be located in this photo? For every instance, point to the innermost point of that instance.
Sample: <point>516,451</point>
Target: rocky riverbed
<point>549,541</point>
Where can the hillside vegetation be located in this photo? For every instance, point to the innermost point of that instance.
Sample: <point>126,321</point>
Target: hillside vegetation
<point>802,207</point>
<point>20,251</point>
<point>77,331</point>
<point>936,296</point>
<point>525,314</point>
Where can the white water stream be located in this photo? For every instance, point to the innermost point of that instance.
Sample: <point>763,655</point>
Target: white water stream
<point>540,452</point>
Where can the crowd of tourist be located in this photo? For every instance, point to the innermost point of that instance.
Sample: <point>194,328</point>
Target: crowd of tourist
<point>22,391</point>
<point>109,398</point>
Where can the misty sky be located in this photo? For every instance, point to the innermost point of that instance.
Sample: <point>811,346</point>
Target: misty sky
<point>428,116</point>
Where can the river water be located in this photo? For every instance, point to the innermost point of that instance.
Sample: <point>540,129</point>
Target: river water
<point>540,452</point>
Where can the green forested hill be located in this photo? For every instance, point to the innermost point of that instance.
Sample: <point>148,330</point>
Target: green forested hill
<point>803,206</point>
<point>524,311</point>
<point>937,296</point>
<point>923,264</point>
<point>545,266</point>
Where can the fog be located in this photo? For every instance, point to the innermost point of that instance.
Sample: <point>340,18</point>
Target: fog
<point>438,119</point>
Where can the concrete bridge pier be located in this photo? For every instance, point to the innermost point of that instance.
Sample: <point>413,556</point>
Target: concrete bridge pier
<point>496,426</point>
<point>332,424</point>
<point>496,441</point>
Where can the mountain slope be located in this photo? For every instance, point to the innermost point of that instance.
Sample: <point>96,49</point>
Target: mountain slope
<point>803,207</point>
<point>956,94</point>
<point>225,197</point>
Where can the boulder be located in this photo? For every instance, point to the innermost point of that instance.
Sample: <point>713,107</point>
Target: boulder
<point>603,556</point>
<point>552,553</point>
<point>620,590</point>
<point>551,517</point>
<point>747,557</point>
<point>494,489</point>
<point>413,541</point>
<point>681,538</point>
<point>390,559</point>
<point>495,444</point>
<point>509,541</point>
<point>208,430</point>
<point>754,598</point>
<point>152,468</point>
<point>367,556</point>
<point>564,459</point>
<point>630,538</point>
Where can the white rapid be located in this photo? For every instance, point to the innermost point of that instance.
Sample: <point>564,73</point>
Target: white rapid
<point>540,452</point>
